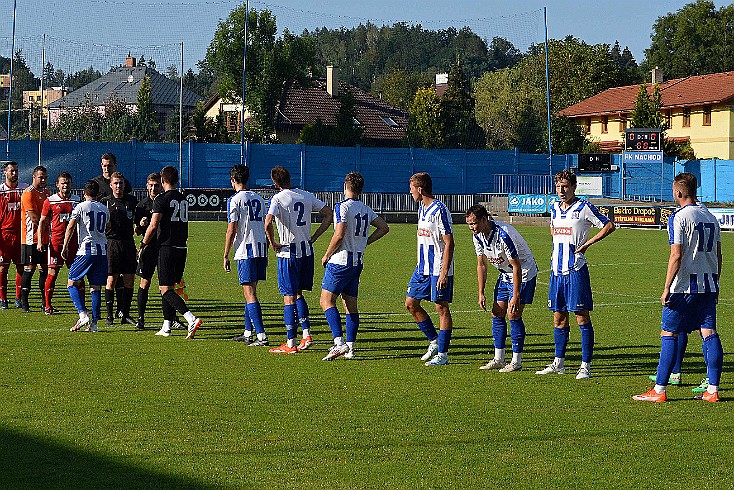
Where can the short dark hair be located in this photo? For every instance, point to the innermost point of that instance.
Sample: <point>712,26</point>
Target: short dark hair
<point>64,175</point>
<point>155,176</point>
<point>8,163</point>
<point>424,181</point>
<point>110,157</point>
<point>477,210</point>
<point>355,182</point>
<point>688,181</point>
<point>281,176</point>
<point>39,168</point>
<point>566,175</point>
<point>240,174</point>
<point>169,174</point>
<point>117,175</point>
<point>91,189</point>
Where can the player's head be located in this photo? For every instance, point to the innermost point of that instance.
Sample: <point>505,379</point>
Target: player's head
<point>565,182</point>
<point>281,177</point>
<point>63,183</point>
<point>91,189</point>
<point>477,218</point>
<point>169,175</point>
<point>117,184</point>
<point>239,174</point>
<point>40,177</point>
<point>10,169</point>
<point>354,183</point>
<point>153,184</point>
<point>109,165</point>
<point>684,187</point>
<point>421,184</point>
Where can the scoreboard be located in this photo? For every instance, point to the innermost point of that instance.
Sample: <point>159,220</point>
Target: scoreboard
<point>637,139</point>
<point>595,162</point>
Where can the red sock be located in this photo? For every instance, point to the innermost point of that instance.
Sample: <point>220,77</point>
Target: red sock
<point>50,284</point>
<point>18,278</point>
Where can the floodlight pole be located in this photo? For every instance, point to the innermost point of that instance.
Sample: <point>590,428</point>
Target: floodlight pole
<point>180,119</point>
<point>40,115</point>
<point>10,86</point>
<point>547,96</point>
<point>243,159</point>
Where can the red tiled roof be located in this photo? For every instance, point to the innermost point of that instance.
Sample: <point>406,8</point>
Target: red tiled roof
<point>303,105</point>
<point>715,88</point>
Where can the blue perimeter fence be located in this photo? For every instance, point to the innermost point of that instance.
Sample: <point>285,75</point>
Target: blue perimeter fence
<point>386,170</point>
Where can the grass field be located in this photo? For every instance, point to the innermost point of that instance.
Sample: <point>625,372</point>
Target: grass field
<point>129,409</point>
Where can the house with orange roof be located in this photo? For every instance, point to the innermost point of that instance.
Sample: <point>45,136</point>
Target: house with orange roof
<point>698,109</point>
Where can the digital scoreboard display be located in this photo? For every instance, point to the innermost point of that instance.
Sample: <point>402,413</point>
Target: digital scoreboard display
<point>595,162</point>
<point>642,140</point>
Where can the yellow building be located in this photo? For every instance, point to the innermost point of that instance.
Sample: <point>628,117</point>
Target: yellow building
<point>32,98</point>
<point>698,109</point>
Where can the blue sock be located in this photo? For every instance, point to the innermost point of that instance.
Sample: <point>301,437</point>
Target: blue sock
<point>560,339</point>
<point>444,339</point>
<point>714,358</point>
<point>255,313</point>
<point>248,320</point>
<point>587,342</point>
<point>428,329</point>
<point>499,332</point>
<point>704,349</point>
<point>76,298</point>
<point>96,295</point>
<point>289,319</point>
<point>352,326</point>
<point>668,347</point>
<point>680,352</point>
<point>334,319</point>
<point>517,334</point>
<point>302,308</point>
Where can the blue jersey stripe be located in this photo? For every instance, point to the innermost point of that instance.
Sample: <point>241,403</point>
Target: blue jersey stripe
<point>571,255</point>
<point>559,268</point>
<point>431,256</point>
<point>338,212</point>
<point>250,253</point>
<point>693,281</point>
<point>421,259</point>
<point>510,244</point>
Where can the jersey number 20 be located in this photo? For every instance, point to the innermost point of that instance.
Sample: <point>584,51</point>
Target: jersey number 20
<point>180,211</point>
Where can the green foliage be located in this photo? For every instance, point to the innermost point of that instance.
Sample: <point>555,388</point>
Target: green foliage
<point>568,136</point>
<point>398,87</point>
<point>85,122</point>
<point>146,127</point>
<point>118,123</point>
<point>695,40</point>
<point>52,77</point>
<point>78,79</point>
<point>457,113</point>
<point>425,125</point>
<point>315,134</point>
<point>646,111</point>
<point>346,132</point>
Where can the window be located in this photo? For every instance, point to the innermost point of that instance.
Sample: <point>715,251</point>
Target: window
<point>101,86</point>
<point>707,115</point>
<point>668,118</point>
<point>355,122</point>
<point>687,117</point>
<point>389,121</point>
<point>605,124</point>
<point>120,85</point>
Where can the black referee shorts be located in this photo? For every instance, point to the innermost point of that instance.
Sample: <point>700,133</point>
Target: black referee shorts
<point>147,262</point>
<point>121,257</point>
<point>171,264</point>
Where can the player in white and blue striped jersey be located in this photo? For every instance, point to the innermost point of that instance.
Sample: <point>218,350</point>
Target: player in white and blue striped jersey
<point>343,261</point>
<point>246,230</point>
<point>570,286</point>
<point>291,209</point>
<point>502,246</point>
<point>433,278</point>
<point>691,288</point>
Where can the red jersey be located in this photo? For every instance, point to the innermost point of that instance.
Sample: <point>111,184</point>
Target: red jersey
<point>58,210</point>
<point>10,207</point>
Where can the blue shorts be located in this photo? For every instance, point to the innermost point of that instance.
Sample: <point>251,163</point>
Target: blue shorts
<point>685,313</point>
<point>340,279</point>
<point>423,287</point>
<point>570,292</point>
<point>295,275</point>
<point>252,270</point>
<point>92,266</point>
<point>503,291</point>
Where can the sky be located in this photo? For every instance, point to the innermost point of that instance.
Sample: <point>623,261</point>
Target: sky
<point>76,28</point>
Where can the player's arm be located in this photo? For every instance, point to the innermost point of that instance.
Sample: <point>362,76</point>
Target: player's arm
<point>152,229</point>
<point>448,256</point>
<point>70,230</point>
<point>606,230</point>
<point>340,229</point>
<point>270,232</point>
<point>516,284</point>
<point>482,281</point>
<point>43,224</point>
<point>381,230</point>
<point>674,261</point>
<point>228,240</point>
<point>328,215</point>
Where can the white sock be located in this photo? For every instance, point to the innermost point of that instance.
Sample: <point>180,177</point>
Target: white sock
<point>261,336</point>
<point>586,365</point>
<point>712,389</point>
<point>350,345</point>
<point>659,389</point>
<point>338,340</point>
<point>247,333</point>
<point>167,325</point>
<point>517,357</point>
<point>291,342</point>
<point>83,315</point>
<point>306,332</point>
<point>559,361</point>
<point>189,317</point>
<point>499,354</point>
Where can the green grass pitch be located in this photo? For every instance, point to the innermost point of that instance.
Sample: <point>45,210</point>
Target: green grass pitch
<point>129,409</point>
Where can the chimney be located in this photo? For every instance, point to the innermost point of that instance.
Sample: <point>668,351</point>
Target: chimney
<point>657,75</point>
<point>130,62</point>
<point>332,80</point>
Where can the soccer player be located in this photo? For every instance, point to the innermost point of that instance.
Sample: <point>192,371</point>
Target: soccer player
<point>170,221</point>
<point>433,277</point>
<point>55,216</point>
<point>121,251</point>
<point>570,286</point>
<point>10,197</point>
<point>30,211</point>
<point>291,209</point>
<point>343,261</point>
<point>502,246</point>
<point>691,288</point>
<point>246,230</point>
<point>89,220</point>
<point>109,167</point>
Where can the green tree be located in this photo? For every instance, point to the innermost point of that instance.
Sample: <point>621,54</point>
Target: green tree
<point>425,124</point>
<point>646,111</point>
<point>118,123</point>
<point>78,79</point>
<point>346,132</point>
<point>146,127</point>
<point>457,113</point>
<point>399,86</point>
<point>315,134</point>
<point>85,122</point>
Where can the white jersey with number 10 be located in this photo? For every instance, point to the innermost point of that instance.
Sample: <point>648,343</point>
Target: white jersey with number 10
<point>434,221</point>
<point>570,230</point>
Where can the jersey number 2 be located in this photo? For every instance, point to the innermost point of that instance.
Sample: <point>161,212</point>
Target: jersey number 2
<point>299,206</point>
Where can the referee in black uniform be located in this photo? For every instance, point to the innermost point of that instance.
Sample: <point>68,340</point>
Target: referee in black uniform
<point>170,220</point>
